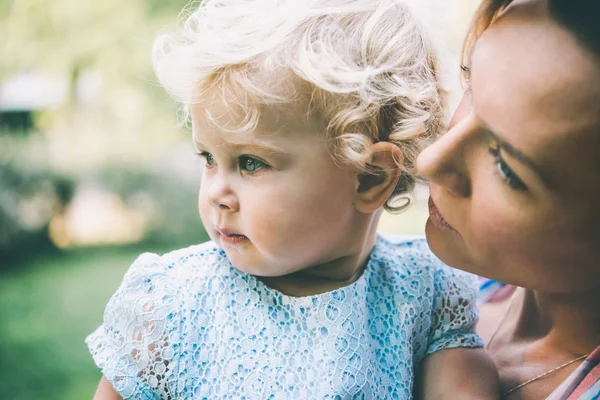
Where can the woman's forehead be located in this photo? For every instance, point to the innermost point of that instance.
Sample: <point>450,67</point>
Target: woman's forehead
<point>533,84</point>
<point>526,63</point>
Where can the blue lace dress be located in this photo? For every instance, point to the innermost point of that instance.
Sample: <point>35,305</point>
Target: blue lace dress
<point>188,325</point>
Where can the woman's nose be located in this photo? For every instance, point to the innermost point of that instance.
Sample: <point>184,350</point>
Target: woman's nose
<point>220,195</point>
<point>445,162</point>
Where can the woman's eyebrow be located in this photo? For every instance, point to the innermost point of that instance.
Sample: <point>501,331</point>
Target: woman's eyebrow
<point>515,153</point>
<point>466,66</point>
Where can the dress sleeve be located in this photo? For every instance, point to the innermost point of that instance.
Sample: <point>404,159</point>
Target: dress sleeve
<point>455,312</point>
<point>135,345</point>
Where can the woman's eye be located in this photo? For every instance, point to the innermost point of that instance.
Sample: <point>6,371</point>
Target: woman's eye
<point>466,75</point>
<point>210,160</point>
<point>251,164</point>
<point>505,172</point>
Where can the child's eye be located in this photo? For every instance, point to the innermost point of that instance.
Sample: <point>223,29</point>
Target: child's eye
<point>505,172</point>
<point>210,160</point>
<point>251,164</point>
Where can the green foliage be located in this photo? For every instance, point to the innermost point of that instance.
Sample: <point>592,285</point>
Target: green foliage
<point>161,7</point>
<point>59,34</point>
<point>30,196</point>
<point>115,137</point>
<point>27,203</point>
<point>128,114</point>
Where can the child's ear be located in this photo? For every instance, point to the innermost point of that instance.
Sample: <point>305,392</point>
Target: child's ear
<point>376,186</point>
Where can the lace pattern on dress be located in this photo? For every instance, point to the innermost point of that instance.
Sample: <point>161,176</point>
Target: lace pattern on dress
<point>188,325</point>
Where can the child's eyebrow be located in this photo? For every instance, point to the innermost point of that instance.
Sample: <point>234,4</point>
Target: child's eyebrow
<point>251,145</point>
<point>264,147</point>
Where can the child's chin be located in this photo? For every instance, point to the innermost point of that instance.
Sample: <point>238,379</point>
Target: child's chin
<point>245,269</point>
<point>242,263</point>
<point>253,269</point>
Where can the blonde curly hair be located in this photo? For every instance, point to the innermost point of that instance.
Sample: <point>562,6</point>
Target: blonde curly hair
<point>365,68</point>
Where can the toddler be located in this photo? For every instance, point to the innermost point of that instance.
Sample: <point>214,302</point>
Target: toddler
<point>308,115</point>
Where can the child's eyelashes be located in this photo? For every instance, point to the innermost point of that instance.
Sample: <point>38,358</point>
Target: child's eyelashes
<point>210,160</point>
<point>504,171</point>
<point>245,163</point>
<point>251,164</point>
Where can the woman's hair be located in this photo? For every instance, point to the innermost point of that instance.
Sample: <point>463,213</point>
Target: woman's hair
<point>581,17</point>
<point>485,15</point>
<point>366,68</point>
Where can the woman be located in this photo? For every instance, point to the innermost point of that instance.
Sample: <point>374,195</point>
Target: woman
<point>515,190</point>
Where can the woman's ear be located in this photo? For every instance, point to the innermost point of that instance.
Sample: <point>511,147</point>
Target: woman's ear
<point>376,186</point>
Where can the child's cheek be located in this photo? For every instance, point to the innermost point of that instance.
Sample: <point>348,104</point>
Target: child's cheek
<point>204,209</point>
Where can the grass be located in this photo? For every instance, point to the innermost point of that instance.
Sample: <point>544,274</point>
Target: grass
<point>47,308</point>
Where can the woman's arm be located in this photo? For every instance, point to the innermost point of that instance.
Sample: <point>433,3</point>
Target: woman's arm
<point>459,373</point>
<point>105,391</point>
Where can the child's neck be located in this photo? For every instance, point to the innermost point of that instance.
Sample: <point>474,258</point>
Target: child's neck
<point>326,277</point>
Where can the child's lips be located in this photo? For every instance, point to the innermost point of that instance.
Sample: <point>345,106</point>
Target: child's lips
<point>229,237</point>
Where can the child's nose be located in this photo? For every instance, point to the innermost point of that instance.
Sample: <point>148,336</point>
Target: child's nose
<point>221,196</point>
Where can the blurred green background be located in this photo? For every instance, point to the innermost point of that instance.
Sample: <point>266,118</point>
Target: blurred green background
<point>94,169</point>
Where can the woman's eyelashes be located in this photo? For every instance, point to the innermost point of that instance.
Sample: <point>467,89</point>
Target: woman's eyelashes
<point>245,163</point>
<point>502,168</point>
<point>466,76</point>
<point>504,171</point>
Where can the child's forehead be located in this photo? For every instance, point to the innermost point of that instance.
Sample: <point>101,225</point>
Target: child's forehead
<point>253,122</point>
<point>262,140</point>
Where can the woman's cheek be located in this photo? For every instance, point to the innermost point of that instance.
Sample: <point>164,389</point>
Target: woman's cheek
<point>496,228</point>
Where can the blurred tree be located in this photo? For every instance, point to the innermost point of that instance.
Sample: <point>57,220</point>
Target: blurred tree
<point>113,108</point>
<point>113,115</point>
<point>67,34</point>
